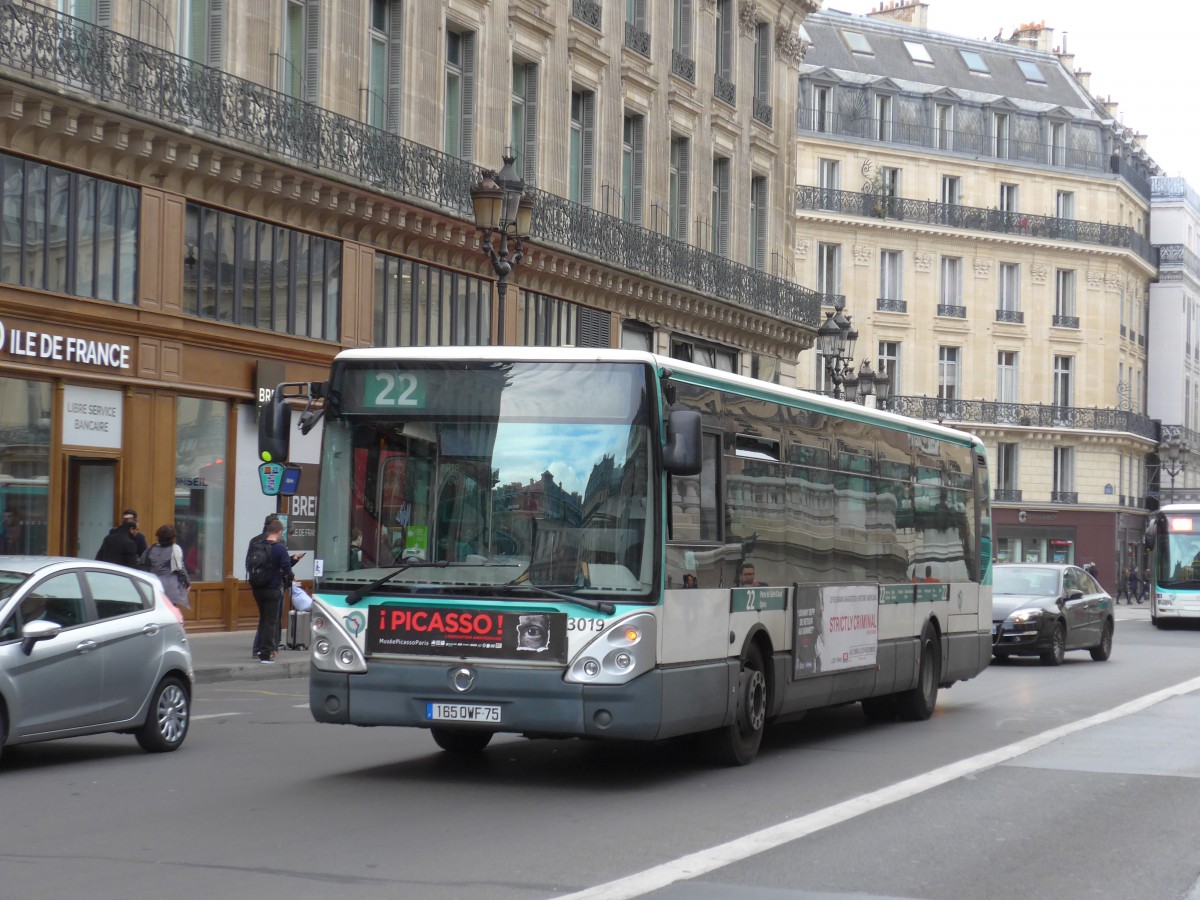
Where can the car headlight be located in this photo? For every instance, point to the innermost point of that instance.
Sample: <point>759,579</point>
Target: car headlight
<point>1023,616</point>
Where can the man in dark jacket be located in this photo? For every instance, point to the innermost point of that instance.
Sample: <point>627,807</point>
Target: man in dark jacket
<point>294,558</point>
<point>269,597</point>
<point>119,546</point>
<point>130,515</point>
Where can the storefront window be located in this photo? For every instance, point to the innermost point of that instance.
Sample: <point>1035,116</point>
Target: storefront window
<point>24,465</point>
<point>201,430</point>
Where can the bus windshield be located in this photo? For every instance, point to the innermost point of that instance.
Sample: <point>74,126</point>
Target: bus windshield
<point>466,475</point>
<point>1179,562</point>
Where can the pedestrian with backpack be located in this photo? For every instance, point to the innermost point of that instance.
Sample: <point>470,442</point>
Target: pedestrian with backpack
<point>268,567</point>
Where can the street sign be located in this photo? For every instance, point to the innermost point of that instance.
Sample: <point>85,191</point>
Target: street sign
<point>291,480</point>
<point>270,475</point>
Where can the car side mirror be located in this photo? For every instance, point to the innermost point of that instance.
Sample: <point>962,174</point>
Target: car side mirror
<point>1075,595</point>
<point>38,630</point>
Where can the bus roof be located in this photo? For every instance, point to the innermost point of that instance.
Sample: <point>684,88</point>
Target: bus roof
<point>687,372</point>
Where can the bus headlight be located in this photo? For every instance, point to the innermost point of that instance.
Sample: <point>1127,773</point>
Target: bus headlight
<point>1166,599</point>
<point>619,654</point>
<point>333,649</point>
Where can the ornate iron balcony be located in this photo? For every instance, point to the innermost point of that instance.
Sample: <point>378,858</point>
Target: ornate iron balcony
<point>992,412</point>
<point>1012,316</point>
<point>724,89</point>
<point>1007,496</point>
<point>763,112</point>
<point>131,76</point>
<point>637,40</point>
<point>1065,322</point>
<point>972,218</point>
<point>683,66</point>
<point>1064,496</point>
<point>587,12</point>
<point>887,304</point>
<point>954,312</point>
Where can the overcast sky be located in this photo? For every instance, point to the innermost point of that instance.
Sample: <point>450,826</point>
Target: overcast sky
<point>1142,55</point>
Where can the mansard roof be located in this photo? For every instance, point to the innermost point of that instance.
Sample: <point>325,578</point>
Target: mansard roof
<point>890,59</point>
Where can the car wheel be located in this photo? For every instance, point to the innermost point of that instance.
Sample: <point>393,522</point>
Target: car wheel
<point>167,721</point>
<point>3,728</point>
<point>880,709</point>
<point>1058,646</point>
<point>453,740</point>
<point>737,743</point>
<point>1103,650</point>
<point>916,705</point>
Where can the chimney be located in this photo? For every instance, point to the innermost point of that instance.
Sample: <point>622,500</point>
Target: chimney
<point>1033,36</point>
<point>1084,79</point>
<point>1110,107</point>
<point>907,12</point>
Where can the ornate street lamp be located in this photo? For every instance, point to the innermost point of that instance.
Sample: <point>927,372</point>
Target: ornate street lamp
<point>836,340</point>
<point>503,214</point>
<point>1173,459</point>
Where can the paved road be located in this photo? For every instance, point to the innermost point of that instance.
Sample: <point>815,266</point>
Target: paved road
<point>262,802</point>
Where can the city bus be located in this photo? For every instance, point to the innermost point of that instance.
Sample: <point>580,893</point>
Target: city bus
<point>1173,537</point>
<point>611,544</point>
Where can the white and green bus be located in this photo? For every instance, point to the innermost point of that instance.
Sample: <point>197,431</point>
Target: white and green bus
<point>1173,534</point>
<point>612,544</point>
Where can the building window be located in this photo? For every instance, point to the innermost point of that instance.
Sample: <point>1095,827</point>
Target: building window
<point>720,206</point>
<point>301,59</point>
<point>1009,197</point>
<point>66,232</point>
<point>762,64</point>
<point>948,385</point>
<point>1000,135</point>
<point>1064,387</point>
<point>943,120</point>
<point>637,336</point>
<point>418,305</point>
<point>202,31</point>
<point>890,189</point>
<point>1058,144</point>
<point>829,268</point>
<point>883,118</point>
<point>712,355</point>
<point>1009,299</point>
<point>583,140</point>
<point>890,283</point>
<point>821,107</point>
<point>1064,293</point>
<point>1007,468</point>
<point>523,129</point>
<point>98,12</point>
<point>546,321</point>
<point>1008,379</point>
<point>460,94</point>
<point>25,417</point>
<point>829,176</point>
<point>633,168</point>
<point>246,272</point>
<point>951,286</point>
<point>1064,472</point>
<point>724,40</point>
<point>759,207</point>
<point>889,364</point>
<point>951,190</point>
<point>681,28</point>
<point>201,427</point>
<point>1064,204</point>
<point>681,153</point>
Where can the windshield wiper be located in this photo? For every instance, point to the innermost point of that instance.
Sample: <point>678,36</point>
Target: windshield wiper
<point>358,593</point>
<point>600,606</point>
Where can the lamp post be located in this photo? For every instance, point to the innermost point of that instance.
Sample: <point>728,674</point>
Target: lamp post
<point>1173,460</point>
<point>503,214</point>
<point>836,339</point>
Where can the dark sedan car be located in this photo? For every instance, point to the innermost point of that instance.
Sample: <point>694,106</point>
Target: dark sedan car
<point>1046,610</point>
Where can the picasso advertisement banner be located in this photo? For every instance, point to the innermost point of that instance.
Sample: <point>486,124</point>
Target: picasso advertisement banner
<point>482,633</point>
<point>849,627</point>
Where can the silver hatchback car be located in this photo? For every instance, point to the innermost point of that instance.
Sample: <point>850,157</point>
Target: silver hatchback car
<point>87,647</point>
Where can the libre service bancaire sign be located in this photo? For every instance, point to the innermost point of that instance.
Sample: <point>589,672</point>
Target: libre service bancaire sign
<point>92,417</point>
<point>26,343</point>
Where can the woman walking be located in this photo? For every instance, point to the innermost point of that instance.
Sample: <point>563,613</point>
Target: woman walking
<point>166,561</point>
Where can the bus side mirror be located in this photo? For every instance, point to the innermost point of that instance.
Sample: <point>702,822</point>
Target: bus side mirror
<point>681,453</point>
<point>274,428</point>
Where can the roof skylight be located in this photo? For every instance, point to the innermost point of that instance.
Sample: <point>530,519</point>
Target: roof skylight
<point>918,52</point>
<point>1031,71</point>
<point>975,62</point>
<point>857,41</point>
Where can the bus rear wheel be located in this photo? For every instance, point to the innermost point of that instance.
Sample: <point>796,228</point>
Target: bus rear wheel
<point>452,740</point>
<point>916,704</point>
<point>737,743</point>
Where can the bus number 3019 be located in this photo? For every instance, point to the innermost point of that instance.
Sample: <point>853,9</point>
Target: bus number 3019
<point>586,624</point>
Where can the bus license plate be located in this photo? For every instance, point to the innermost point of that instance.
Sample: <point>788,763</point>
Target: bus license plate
<point>461,712</point>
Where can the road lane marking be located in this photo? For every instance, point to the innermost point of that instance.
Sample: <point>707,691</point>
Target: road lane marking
<point>696,864</point>
<point>216,715</point>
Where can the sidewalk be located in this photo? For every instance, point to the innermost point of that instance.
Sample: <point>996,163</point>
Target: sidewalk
<point>225,656</point>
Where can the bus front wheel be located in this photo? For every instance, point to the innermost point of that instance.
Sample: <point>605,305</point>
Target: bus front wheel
<point>453,740</point>
<point>737,743</point>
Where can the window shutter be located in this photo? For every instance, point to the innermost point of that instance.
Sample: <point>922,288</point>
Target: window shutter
<point>589,139</point>
<point>760,224</point>
<point>685,28</point>
<point>468,96</point>
<point>763,62</point>
<point>639,168</point>
<point>639,15</point>
<point>312,50</point>
<point>723,211</point>
<point>215,49</point>
<point>595,328</point>
<point>685,165</point>
<point>104,13</point>
<point>395,66</point>
<point>531,116</point>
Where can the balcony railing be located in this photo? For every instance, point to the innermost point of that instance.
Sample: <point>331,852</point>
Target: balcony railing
<point>130,76</point>
<point>1007,496</point>
<point>1064,496</point>
<point>586,11</point>
<point>887,304</point>
<point>763,112</point>
<point>1011,316</point>
<point>1065,322</point>
<point>1176,256</point>
<point>953,312</point>
<point>972,218</point>
<point>637,39</point>
<point>683,66</point>
<point>724,89</point>
<point>1037,415</point>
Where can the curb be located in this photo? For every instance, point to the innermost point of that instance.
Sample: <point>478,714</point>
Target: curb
<point>251,671</point>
